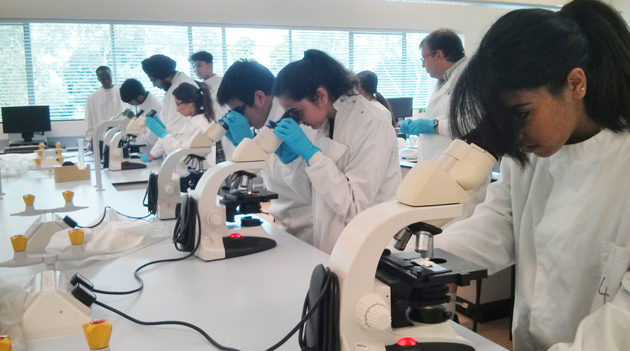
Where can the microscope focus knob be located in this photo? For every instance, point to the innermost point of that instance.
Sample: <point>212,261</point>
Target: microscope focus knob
<point>169,189</point>
<point>215,219</point>
<point>373,313</point>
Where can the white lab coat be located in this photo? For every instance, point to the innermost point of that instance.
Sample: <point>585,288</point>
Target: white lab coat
<point>357,168</point>
<point>565,222</point>
<point>102,105</point>
<point>293,208</point>
<point>173,120</point>
<point>219,111</point>
<point>387,113</point>
<point>432,146</point>
<point>147,136</point>
<point>174,141</point>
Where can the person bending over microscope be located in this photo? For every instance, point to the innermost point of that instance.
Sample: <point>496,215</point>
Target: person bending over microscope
<point>551,91</point>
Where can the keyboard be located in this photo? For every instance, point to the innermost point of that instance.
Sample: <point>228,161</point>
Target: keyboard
<point>24,149</point>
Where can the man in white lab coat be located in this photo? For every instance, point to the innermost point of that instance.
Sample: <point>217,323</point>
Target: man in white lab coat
<point>202,61</point>
<point>444,59</point>
<point>132,92</point>
<point>162,73</point>
<point>104,103</point>
<point>246,89</point>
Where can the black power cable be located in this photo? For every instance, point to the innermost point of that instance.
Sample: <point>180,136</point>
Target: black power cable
<point>186,226</point>
<point>185,324</point>
<point>151,195</point>
<point>329,290</point>
<point>105,214</point>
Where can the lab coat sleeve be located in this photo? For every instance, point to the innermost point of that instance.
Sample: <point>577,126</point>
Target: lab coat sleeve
<point>353,190</point>
<point>165,146</point>
<point>487,237</point>
<point>608,328</point>
<point>292,174</point>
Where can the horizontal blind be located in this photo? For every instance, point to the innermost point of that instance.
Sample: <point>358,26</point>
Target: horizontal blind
<point>54,63</point>
<point>270,47</point>
<point>13,87</point>
<point>134,43</point>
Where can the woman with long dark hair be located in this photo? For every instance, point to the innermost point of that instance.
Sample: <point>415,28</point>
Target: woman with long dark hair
<point>353,161</point>
<point>195,104</point>
<point>551,91</point>
<point>368,83</point>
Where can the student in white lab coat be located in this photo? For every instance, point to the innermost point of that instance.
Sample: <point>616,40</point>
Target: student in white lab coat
<point>161,71</point>
<point>246,89</point>
<point>133,93</point>
<point>353,163</point>
<point>202,62</point>
<point>104,103</point>
<point>195,104</point>
<point>551,90</point>
<point>368,83</point>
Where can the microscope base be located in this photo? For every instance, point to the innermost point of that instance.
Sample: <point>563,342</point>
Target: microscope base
<point>235,243</point>
<point>51,310</point>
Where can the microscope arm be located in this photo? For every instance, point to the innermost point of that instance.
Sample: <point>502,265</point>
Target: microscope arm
<point>99,131</point>
<point>169,189</point>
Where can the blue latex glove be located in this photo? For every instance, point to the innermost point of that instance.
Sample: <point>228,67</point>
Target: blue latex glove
<point>419,126</point>
<point>145,158</point>
<point>156,127</point>
<point>286,154</point>
<point>158,120</point>
<point>294,137</point>
<point>238,127</point>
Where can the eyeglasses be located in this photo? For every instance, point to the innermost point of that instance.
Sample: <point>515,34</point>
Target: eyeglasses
<point>427,55</point>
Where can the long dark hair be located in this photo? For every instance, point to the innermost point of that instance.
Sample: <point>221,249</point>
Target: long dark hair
<point>530,49</point>
<point>200,96</point>
<point>300,79</point>
<point>369,83</point>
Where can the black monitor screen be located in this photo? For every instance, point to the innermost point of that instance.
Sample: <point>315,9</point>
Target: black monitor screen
<point>401,107</point>
<point>25,119</point>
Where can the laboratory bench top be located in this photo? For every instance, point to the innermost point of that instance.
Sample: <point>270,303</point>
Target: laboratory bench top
<point>249,302</point>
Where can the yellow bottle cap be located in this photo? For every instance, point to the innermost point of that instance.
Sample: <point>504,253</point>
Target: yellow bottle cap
<point>41,146</point>
<point>38,161</point>
<point>60,159</point>
<point>76,236</point>
<point>57,145</point>
<point>59,151</point>
<point>29,199</point>
<point>97,334</point>
<point>68,195</point>
<point>19,243</point>
<point>40,153</point>
<point>5,343</point>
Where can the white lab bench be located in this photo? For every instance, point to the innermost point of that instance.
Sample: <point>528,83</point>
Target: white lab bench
<point>248,303</point>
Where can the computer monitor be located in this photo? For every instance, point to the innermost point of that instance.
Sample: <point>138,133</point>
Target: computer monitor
<point>401,107</point>
<point>26,120</point>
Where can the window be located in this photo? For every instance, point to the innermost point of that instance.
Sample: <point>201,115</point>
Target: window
<point>54,63</point>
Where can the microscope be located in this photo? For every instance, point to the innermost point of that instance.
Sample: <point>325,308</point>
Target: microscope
<point>219,240</point>
<point>119,150</point>
<point>168,203</point>
<point>402,308</point>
